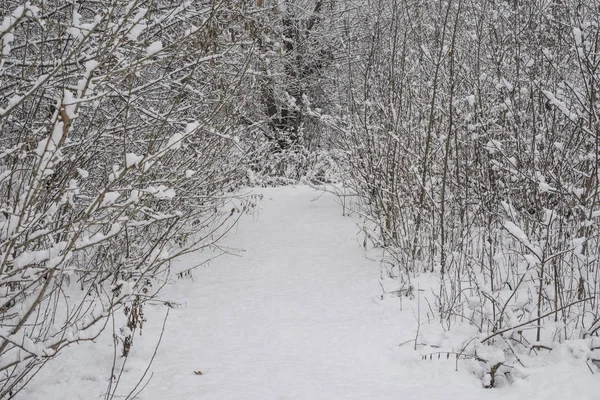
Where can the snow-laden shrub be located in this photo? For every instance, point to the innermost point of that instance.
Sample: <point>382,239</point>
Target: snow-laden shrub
<point>473,138</point>
<point>115,158</point>
<point>272,166</point>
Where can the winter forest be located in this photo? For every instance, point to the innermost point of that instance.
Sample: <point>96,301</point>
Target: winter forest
<point>299,199</point>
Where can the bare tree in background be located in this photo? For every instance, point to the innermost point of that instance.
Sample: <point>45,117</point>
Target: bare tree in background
<point>296,51</point>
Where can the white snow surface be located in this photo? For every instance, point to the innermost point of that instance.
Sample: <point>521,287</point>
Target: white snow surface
<point>295,312</point>
<point>154,47</point>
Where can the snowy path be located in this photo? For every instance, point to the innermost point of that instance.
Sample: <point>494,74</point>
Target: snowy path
<point>296,316</point>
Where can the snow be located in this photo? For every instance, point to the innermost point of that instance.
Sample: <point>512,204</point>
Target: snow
<point>69,104</point>
<point>560,105</point>
<point>560,146</point>
<point>14,100</point>
<point>51,255</point>
<point>577,35</point>
<point>135,31</point>
<point>507,85</point>
<point>154,48</point>
<point>74,30</point>
<point>7,25</point>
<point>578,244</point>
<point>98,236</point>
<point>544,187</point>
<point>493,146</point>
<point>83,173</point>
<point>174,142</point>
<point>295,311</point>
<point>85,81</point>
<point>109,198</point>
<point>50,144</point>
<point>90,66</point>
<point>80,30</point>
<point>548,54</point>
<point>138,25</point>
<point>161,192</point>
<point>191,127</point>
<point>518,233</point>
<point>471,100</point>
<point>191,30</point>
<point>132,159</point>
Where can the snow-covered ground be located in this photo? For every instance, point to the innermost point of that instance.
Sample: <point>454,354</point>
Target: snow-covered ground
<point>295,312</point>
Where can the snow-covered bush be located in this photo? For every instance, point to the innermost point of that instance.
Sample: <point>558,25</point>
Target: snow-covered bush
<point>116,155</point>
<point>270,167</point>
<point>473,137</point>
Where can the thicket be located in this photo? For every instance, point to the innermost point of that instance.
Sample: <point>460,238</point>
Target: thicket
<point>472,135</point>
<point>291,75</point>
<point>469,129</point>
<point>118,144</point>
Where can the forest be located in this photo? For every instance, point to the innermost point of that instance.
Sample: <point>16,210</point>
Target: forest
<point>464,134</point>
